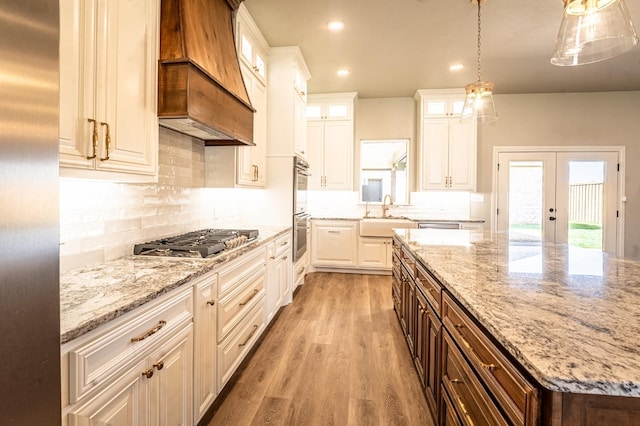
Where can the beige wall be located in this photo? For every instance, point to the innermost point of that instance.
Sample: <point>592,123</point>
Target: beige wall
<point>572,119</point>
<point>385,118</point>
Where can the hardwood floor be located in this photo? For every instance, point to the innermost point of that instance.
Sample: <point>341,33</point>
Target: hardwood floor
<point>335,356</point>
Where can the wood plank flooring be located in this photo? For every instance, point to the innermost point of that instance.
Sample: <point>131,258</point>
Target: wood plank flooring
<point>335,356</point>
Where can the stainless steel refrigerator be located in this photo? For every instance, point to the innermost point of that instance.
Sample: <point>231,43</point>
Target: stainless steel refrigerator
<point>29,250</point>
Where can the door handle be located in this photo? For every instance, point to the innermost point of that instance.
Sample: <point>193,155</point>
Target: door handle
<point>552,218</point>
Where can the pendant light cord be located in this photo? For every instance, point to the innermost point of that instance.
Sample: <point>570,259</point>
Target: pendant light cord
<point>479,43</point>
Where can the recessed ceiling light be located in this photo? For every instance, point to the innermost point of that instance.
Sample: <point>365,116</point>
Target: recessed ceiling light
<point>456,67</point>
<point>343,72</point>
<point>335,26</point>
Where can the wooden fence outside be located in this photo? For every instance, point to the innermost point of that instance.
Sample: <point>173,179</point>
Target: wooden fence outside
<point>585,203</point>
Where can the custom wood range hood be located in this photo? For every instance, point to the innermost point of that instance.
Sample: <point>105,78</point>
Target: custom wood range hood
<point>201,92</point>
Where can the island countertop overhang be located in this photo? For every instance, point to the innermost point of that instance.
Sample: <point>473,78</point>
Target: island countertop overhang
<point>570,318</point>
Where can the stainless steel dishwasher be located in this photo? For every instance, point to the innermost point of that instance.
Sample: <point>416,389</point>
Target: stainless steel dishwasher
<point>439,225</point>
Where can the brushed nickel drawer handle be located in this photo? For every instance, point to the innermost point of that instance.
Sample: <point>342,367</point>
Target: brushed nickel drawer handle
<point>151,332</point>
<point>255,328</point>
<point>255,291</point>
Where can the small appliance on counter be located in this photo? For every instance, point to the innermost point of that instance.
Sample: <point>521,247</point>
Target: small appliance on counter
<point>202,243</point>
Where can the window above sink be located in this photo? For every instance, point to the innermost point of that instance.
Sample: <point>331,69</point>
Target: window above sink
<point>384,169</point>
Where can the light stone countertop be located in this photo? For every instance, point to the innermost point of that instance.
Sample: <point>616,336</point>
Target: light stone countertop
<point>96,294</point>
<point>410,217</point>
<point>570,316</point>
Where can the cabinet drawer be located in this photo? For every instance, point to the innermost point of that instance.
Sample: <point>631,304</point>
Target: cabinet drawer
<point>407,260</point>
<point>469,399</point>
<point>430,287</point>
<point>397,246</point>
<point>395,262</point>
<point>98,359</point>
<point>232,308</point>
<point>283,244</point>
<point>448,414</point>
<point>517,396</point>
<point>233,349</point>
<point>244,266</point>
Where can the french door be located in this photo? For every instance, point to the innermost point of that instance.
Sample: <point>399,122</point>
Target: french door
<point>565,197</point>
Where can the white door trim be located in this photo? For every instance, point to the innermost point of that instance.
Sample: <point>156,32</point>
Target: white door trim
<point>620,150</point>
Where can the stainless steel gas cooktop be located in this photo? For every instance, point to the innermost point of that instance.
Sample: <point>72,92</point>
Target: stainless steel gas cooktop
<point>202,243</point>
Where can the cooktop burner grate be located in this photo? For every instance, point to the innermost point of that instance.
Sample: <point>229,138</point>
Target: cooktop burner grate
<point>202,243</point>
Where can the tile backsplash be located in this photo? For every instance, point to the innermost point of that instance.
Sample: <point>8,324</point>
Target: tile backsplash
<point>102,220</point>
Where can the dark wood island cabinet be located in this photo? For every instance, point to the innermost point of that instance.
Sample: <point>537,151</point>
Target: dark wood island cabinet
<point>469,376</point>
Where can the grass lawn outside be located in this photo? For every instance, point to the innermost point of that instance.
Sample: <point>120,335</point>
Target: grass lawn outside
<point>583,235</point>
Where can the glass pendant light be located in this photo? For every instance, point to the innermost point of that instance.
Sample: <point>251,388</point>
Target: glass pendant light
<point>592,31</point>
<point>479,100</point>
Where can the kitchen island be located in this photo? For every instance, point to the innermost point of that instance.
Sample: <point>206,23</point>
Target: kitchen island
<point>567,319</point>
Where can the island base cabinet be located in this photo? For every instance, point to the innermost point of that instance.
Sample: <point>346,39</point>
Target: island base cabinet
<point>470,400</point>
<point>568,409</point>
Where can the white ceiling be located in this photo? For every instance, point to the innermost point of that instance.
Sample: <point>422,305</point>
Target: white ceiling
<point>393,47</point>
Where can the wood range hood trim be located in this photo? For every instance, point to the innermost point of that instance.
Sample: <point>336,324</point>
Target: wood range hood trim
<point>201,92</point>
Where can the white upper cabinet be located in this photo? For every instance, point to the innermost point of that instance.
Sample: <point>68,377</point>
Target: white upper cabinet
<point>330,140</point>
<point>287,85</point>
<point>253,50</point>
<point>448,147</point>
<point>108,89</point>
<point>330,107</point>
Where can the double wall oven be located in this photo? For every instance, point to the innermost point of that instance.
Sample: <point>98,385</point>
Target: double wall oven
<point>300,214</point>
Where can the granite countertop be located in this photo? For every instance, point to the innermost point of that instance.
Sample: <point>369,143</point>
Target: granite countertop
<point>410,217</point>
<point>96,294</point>
<point>570,316</point>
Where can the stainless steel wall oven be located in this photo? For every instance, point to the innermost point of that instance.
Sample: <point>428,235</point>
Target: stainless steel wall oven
<point>300,214</point>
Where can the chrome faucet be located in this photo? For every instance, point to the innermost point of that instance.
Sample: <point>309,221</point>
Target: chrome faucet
<point>385,206</point>
<point>366,209</point>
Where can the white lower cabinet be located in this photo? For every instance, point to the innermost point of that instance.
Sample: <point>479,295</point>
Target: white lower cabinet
<point>334,243</point>
<point>165,362</point>
<point>205,386</point>
<point>279,276</point>
<point>235,347</point>
<point>374,253</point>
<point>156,390</point>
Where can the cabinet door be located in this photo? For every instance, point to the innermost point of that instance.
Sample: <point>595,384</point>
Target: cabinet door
<point>205,346</point>
<point>108,73</point>
<point>123,402</point>
<point>250,167</point>
<point>315,154</point>
<point>334,243</point>
<point>76,82</point>
<point>374,253</point>
<point>421,343</point>
<point>283,268</point>
<point>338,154</point>
<point>432,362</point>
<point>462,155</point>
<point>126,69</point>
<point>435,154</point>
<point>171,386</point>
<point>299,125</point>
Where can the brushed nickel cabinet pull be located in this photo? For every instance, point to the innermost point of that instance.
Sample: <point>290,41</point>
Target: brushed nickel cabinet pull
<point>148,374</point>
<point>107,141</point>
<point>94,139</point>
<point>151,332</point>
<point>255,328</point>
<point>255,291</point>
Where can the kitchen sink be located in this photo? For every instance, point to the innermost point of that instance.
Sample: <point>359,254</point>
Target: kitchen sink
<point>382,226</point>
